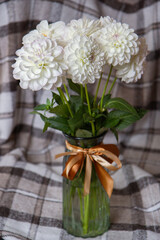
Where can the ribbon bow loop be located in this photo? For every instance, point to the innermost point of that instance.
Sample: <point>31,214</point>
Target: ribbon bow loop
<point>102,156</point>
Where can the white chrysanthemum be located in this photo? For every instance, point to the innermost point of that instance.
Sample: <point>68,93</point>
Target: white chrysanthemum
<point>133,70</point>
<point>106,20</point>
<point>82,27</point>
<point>103,23</point>
<point>119,43</point>
<point>39,65</point>
<point>54,31</point>
<point>85,60</point>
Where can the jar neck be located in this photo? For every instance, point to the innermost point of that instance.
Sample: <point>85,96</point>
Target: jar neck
<point>85,142</point>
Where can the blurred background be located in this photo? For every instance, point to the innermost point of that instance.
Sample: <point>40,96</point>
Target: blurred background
<point>18,128</point>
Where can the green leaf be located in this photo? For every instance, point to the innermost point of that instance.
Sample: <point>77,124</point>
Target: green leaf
<point>76,102</point>
<point>125,118</point>
<point>88,118</point>
<point>95,111</point>
<point>74,86</point>
<point>114,131</point>
<point>117,114</point>
<point>111,122</point>
<point>61,110</point>
<point>48,102</point>
<point>46,125</point>
<point>77,88</point>
<point>44,118</point>
<point>77,121</point>
<point>121,104</point>
<point>126,121</point>
<point>83,133</point>
<point>101,130</point>
<point>34,112</point>
<point>99,123</point>
<point>106,98</point>
<point>57,98</point>
<point>141,112</point>
<point>59,123</point>
<point>101,115</point>
<point>124,124</point>
<point>40,107</point>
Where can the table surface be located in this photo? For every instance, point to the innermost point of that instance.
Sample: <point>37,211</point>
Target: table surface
<point>31,201</point>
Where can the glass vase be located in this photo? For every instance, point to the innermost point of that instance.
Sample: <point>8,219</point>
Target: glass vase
<point>85,216</point>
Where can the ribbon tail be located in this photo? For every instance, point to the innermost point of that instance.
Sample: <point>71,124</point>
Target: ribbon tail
<point>88,173</point>
<point>64,154</point>
<point>105,179</point>
<point>112,148</point>
<point>81,167</point>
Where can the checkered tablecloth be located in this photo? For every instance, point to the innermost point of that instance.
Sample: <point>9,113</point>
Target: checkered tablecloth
<point>30,177</point>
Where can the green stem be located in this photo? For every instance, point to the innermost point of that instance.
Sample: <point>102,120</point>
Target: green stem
<point>112,85</point>
<point>99,82</point>
<point>66,91</point>
<point>93,128</point>
<point>89,110</point>
<point>87,97</point>
<point>81,203</point>
<point>65,100</point>
<point>86,214</point>
<point>82,93</point>
<point>104,91</point>
<point>61,95</point>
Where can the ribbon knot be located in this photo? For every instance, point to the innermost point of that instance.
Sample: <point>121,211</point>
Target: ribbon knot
<point>102,156</point>
<point>85,151</point>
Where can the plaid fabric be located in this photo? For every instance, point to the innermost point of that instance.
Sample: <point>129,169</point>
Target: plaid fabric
<point>30,181</point>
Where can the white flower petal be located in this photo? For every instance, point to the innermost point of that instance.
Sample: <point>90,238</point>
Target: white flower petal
<point>48,86</point>
<point>16,70</point>
<point>42,25</point>
<point>133,70</point>
<point>39,62</point>
<point>24,76</point>
<point>55,73</point>
<point>116,40</point>
<point>53,80</point>
<point>85,61</point>
<point>36,70</point>
<point>42,81</point>
<point>57,51</point>
<point>16,76</point>
<point>24,84</point>
<point>34,85</point>
<point>58,83</point>
<point>47,73</point>
<point>82,27</point>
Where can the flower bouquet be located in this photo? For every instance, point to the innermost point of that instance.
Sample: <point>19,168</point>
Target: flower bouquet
<point>66,59</point>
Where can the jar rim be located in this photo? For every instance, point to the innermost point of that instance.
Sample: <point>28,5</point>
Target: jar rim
<point>84,138</point>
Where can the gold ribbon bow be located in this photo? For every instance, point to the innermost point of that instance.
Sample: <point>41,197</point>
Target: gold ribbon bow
<point>102,156</point>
